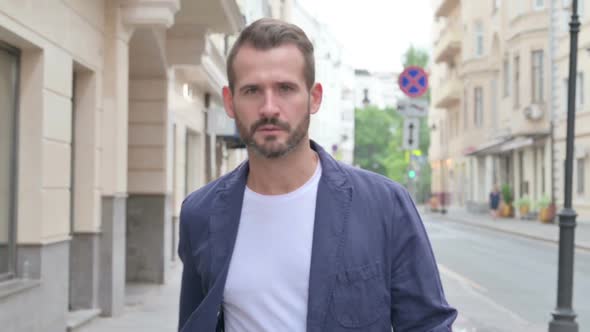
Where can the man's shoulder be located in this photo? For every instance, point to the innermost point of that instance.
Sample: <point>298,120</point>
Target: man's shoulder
<point>202,200</point>
<point>362,178</point>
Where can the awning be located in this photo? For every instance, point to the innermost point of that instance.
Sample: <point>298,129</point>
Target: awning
<point>517,143</point>
<point>490,147</point>
<point>506,144</point>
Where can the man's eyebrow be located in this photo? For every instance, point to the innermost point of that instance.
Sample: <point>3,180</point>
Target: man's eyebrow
<point>289,83</point>
<point>248,86</point>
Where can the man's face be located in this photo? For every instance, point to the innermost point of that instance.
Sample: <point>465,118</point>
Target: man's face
<point>271,102</point>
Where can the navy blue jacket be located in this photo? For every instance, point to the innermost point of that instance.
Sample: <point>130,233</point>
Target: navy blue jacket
<point>372,265</point>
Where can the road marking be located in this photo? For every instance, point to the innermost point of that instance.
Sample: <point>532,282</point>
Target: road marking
<point>477,291</point>
<point>461,279</point>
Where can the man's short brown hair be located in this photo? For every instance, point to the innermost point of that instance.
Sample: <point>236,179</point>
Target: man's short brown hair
<point>267,33</point>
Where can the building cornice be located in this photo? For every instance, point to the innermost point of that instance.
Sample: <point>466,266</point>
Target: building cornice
<point>149,13</point>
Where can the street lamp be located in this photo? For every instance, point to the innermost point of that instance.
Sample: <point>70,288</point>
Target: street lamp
<point>564,316</point>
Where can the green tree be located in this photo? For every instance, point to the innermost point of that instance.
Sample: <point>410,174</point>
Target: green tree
<point>396,164</point>
<point>415,57</point>
<point>378,139</point>
<point>373,133</point>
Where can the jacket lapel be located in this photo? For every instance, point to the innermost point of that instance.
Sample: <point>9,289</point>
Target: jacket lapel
<point>223,224</point>
<point>332,211</point>
<point>223,229</point>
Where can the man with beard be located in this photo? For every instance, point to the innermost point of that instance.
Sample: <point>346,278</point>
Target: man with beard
<point>293,240</point>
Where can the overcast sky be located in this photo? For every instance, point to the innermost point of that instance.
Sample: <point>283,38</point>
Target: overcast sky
<point>376,33</point>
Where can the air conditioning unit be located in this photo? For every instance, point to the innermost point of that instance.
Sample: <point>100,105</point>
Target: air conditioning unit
<point>534,112</point>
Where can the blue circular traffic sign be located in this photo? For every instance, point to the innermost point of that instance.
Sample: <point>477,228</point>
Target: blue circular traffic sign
<point>413,81</point>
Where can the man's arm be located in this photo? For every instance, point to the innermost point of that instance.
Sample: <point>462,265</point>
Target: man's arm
<point>418,302</point>
<point>191,293</point>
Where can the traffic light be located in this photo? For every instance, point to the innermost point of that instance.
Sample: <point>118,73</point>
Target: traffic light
<point>411,174</point>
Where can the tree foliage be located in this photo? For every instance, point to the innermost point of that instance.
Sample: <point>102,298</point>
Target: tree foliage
<point>373,135</point>
<point>415,57</point>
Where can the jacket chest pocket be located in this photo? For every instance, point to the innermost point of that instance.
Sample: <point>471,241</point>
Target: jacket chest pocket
<point>360,296</point>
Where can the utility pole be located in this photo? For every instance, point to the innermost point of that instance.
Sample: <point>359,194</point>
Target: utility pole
<point>564,316</point>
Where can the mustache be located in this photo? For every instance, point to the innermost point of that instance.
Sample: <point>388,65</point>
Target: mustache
<point>270,121</point>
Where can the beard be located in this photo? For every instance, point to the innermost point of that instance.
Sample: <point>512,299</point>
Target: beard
<point>271,148</point>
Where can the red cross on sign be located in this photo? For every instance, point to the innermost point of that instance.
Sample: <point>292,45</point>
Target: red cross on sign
<point>413,81</point>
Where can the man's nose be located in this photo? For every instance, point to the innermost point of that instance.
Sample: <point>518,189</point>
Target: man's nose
<point>270,105</point>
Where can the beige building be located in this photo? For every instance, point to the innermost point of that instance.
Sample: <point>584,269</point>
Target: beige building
<point>491,93</point>
<point>109,116</point>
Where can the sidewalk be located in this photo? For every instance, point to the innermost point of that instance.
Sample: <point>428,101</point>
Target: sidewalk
<point>532,229</point>
<point>148,308</point>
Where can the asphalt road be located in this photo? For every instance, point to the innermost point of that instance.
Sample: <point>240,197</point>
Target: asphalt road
<point>500,282</point>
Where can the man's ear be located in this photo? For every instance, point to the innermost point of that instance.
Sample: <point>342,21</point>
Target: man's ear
<point>228,102</point>
<point>316,94</point>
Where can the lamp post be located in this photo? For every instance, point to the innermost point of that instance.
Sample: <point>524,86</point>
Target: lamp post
<point>564,316</point>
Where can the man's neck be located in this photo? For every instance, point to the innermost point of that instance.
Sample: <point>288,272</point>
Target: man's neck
<point>282,175</point>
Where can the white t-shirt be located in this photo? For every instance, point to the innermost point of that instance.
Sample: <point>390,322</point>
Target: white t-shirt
<point>268,279</point>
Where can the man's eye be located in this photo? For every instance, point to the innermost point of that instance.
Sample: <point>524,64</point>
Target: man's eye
<point>285,88</point>
<point>250,91</point>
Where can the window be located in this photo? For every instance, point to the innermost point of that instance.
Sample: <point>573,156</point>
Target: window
<point>9,62</point>
<point>567,4</point>
<point>565,17</point>
<point>496,5</point>
<point>478,106</point>
<point>478,39</point>
<point>537,76</point>
<point>539,4</point>
<point>452,126</point>
<point>516,81</point>
<point>506,73</point>
<point>442,130</point>
<point>494,104</point>
<point>457,123</point>
<point>465,111</point>
<point>579,92</point>
<point>518,8</point>
<point>524,186</point>
<point>581,176</point>
<point>542,162</point>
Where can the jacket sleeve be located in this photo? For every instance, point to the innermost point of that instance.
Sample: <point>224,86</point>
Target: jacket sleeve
<point>191,293</point>
<point>418,302</point>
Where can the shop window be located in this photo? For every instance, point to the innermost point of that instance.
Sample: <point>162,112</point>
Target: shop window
<point>9,66</point>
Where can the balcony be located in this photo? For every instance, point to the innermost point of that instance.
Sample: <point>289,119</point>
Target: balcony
<point>448,92</point>
<point>448,46</point>
<point>445,7</point>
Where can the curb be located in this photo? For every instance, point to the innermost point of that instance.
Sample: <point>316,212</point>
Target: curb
<point>507,231</point>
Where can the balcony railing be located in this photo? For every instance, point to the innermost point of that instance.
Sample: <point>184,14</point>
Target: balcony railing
<point>448,92</point>
<point>448,45</point>
<point>445,7</point>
